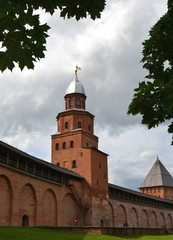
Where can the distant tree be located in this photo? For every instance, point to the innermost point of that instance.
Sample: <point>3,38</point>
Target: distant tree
<point>23,38</point>
<point>153,99</point>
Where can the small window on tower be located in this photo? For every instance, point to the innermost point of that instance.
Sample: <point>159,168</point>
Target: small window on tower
<point>66,125</point>
<point>71,144</point>
<point>57,146</point>
<point>77,102</point>
<point>79,125</point>
<point>99,165</point>
<point>87,144</point>
<point>58,164</point>
<point>71,102</point>
<point>89,127</point>
<point>74,164</point>
<point>64,145</point>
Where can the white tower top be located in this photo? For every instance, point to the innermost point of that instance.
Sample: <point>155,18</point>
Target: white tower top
<point>75,86</point>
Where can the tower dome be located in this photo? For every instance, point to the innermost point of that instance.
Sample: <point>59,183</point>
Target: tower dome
<point>75,94</point>
<point>75,86</point>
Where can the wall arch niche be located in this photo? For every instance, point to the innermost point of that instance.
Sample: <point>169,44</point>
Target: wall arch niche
<point>144,219</point>
<point>28,205</point>
<point>49,209</point>
<point>109,214</point>
<point>70,210</point>
<point>5,201</point>
<point>120,216</point>
<point>162,221</point>
<point>168,221</point>
<point>133,218</point>
<point>153,223</point>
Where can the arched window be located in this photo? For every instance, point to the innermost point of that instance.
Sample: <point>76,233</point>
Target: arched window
<point>71,144</point>
<point>57,146</point>
<point>71,102</point>
<point>66,125</point>
<point>77,102</point>
<point>79,124</point>
<point>74,164</point>
<point>64,145</point>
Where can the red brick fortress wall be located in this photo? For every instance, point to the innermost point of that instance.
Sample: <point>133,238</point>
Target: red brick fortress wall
<point>42,202</point>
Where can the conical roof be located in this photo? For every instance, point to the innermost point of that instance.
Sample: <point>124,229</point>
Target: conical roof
<point>158,176</point>
<point>75,86</point>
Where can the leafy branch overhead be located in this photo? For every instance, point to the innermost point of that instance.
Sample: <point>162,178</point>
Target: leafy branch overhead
<point>23,37</point>
<point>153,99</point>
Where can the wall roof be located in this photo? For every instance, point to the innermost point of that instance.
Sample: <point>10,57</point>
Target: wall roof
<point>127,190</point>
<point>40,161</point>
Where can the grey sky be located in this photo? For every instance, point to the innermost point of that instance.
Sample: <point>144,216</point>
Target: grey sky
<point>109,53</point>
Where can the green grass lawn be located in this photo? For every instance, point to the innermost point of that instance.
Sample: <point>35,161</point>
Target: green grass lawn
<point>19,233</point>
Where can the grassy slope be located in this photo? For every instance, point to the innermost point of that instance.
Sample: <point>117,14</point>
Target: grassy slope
<point>18,233</point>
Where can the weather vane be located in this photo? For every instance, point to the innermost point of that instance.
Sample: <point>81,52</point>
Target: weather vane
<point>77,69</point>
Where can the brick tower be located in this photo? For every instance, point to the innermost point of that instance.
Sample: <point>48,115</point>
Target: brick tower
<point>75,146</point>
<point>158,182</point>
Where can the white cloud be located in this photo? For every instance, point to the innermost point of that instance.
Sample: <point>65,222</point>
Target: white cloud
<point>133,152</point>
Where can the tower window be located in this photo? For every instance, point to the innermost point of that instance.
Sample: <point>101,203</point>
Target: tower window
<point>71,144</point>
<point>99,165</point>
<point>66,125</point>
<point>58,164</point>
<point>74,165</point>
<point>87,144</point>
<point>71,102</point>
<point>89,127</point>
<point>79,124</point>
<point>57,146</point>
<point>77,102</point>
<point>64,145</point>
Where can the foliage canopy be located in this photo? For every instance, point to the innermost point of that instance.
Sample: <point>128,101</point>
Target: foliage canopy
<point>23,37</point>
<point>153,99</point>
